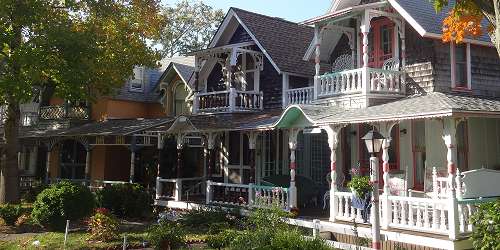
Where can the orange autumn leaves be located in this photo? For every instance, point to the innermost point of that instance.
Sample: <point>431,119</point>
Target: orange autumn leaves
<point>464,20</point>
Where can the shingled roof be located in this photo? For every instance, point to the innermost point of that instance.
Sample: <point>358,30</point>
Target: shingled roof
<point>183,66</point>
<point>284,41</point>
<point>430,105</point>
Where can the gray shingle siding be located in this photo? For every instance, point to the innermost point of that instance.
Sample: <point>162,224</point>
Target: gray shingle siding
<point>148,95</point>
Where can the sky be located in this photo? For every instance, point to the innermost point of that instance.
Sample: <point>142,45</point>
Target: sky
<point>292,10</point>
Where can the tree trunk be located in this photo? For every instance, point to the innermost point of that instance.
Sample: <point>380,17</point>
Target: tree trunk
<point>9,174</point>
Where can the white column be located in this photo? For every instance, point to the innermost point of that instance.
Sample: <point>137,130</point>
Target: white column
<point>374,213</point>
<point>365,30</point>
<point>232,99</point>
<point>333,142</point>
<point>47,163</point>
<point>33,159</point>
<point>317,59</point>
<point>385,129</point>
<point>292,144</point>
<point>285,87</point>
<point>132,165</point>
<point>449,137</point>
<point>87,163</point>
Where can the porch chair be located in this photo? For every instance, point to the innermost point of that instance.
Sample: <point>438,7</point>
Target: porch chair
<point>326,195</point>
<point>343,62</point>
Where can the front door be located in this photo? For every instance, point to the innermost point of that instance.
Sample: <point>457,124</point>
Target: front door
<point>380,42</point>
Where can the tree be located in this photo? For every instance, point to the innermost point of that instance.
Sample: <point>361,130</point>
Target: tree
<point>190,26</point>
<point>82,48</point>
<point>465,19</point>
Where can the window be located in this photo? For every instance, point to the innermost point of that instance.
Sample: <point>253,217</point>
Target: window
<point>180,95</point>
<point>137,81</point>
<point>248,73</point>
<point>460,66</point>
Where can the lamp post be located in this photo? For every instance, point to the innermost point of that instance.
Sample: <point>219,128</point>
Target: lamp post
<point>373,141</point>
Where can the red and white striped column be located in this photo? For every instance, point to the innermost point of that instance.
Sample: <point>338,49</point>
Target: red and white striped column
<point>449,137</point>
<point>292,144</point>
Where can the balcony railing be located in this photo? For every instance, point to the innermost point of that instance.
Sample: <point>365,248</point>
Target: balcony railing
<point>299,95</point>
<point>362,80</point>
<point>231,100</point>
<point>64,112</point>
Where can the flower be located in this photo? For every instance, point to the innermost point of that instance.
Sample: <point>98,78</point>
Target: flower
<point>102,210</point>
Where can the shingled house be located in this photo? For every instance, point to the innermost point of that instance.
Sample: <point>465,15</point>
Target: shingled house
<point>279,109</point>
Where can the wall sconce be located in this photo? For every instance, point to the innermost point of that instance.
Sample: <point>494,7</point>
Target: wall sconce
<point>403,131</point>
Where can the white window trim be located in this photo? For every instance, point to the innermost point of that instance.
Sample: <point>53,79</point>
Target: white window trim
<point>468,62</point>
<point>134,80</point>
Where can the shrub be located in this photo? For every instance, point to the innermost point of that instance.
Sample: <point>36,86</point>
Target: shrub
<point>208,219</point>
<point>486,221</point>
<point>293,239</point>
<point>166,234</point>
<point>103,226</point>
<point>223,239</point>
<point>60,202</point>
<point>125,200</point>
<point>9,213</point>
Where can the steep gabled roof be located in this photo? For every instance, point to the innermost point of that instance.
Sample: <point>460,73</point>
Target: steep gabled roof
<point>181,65</point>
<point>283,42</point>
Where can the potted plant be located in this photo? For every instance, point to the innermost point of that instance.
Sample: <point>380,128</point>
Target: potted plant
<point>360,186</point>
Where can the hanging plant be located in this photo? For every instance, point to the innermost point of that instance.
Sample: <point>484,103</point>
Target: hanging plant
<point>360,185</point>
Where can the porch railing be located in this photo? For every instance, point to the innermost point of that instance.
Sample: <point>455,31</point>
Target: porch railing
<point>246,195</point>
<point>176,189</point>
<point>361,80</point>
<point>299,95</point>
<point>64,112</point>
<point>231,100</point>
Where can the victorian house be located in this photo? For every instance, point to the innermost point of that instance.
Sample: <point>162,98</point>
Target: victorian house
<point>275,112</point>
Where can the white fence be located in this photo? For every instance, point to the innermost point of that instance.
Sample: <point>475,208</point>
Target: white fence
<point>299,95</point>
<point>246,195</point>
<point>228,101</point>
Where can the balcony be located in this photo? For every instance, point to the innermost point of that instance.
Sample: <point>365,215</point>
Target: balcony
<point>231,100</point>
<point>64,112</point>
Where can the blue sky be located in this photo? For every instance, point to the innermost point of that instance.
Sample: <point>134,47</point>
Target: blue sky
<point>293,10</point>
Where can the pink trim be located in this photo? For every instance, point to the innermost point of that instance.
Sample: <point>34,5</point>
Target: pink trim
<point>333,166</point>
<point>376,245</point>
<point>385,167</point>
<point>452,169</point>
<point>293,165</point>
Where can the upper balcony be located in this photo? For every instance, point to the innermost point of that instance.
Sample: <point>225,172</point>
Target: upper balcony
<point>229,79</point>
<point>359,57</point>
<point>62,112</point>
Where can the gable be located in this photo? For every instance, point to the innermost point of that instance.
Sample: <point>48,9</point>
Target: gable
<point>240,35</point>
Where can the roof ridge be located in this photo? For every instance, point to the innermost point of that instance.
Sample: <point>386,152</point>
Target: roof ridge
<point>270,17</point>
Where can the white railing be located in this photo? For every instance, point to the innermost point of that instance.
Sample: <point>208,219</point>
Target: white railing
<point>246,195</point>
<point>100,184</point>
<point>361,80</point>
<point>175,189</point>
<point>228,101</point>
<point>346,211</point>
<point>299,96</point>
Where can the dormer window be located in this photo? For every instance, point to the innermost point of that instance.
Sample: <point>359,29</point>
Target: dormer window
<point>137,81</point>
<point>460,66</point>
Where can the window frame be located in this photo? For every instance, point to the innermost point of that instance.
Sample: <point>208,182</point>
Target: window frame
<point>174,98</point>
<point>454,85</point>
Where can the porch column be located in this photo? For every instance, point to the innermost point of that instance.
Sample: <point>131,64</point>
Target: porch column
<point>449,137</point>
<point>292,144</point>
<point>333,141</point>
<point>180,147</point>
<point>132,165</point>
<point>385,129</point>
<point>88,161</point>
<point>317,59</point>
<point>211,140</point>
<point>159,187</point>
<point>403,55</point>
<point>252,143</point>
<point>47,167</point>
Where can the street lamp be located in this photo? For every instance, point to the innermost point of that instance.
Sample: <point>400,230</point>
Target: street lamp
<point>373,141</point>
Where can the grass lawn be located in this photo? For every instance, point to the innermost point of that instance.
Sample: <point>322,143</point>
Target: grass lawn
<point>76,240</point>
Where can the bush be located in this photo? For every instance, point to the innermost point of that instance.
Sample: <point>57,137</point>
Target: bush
<point>293,239</point>
<point>223,239</point>
<point>60,202</point>
<point>166,234</point>
<point>211,220</point>
<point>125,200</point>
<point>103,226</point>
<point>486,221</point>
<point>9,213</point>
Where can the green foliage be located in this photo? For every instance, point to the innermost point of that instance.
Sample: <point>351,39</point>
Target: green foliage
<point>222,239</point>
<point>189,27</point>
<point>293,239</point>
<point>125,200</point>
<point>60,202</point>
<point>9,213</point>
<point>103,226</point>
<point>361,185</point>
<point>166,234</point>
<point>210,220</point>
<point>486,221</point>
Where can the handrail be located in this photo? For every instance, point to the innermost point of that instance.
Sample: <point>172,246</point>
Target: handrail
<point>213,93</point>
<point>299,89</point>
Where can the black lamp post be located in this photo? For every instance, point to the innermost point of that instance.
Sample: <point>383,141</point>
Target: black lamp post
<point>373,141</point>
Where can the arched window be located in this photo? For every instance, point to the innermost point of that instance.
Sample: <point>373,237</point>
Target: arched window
<point>180,95</point>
